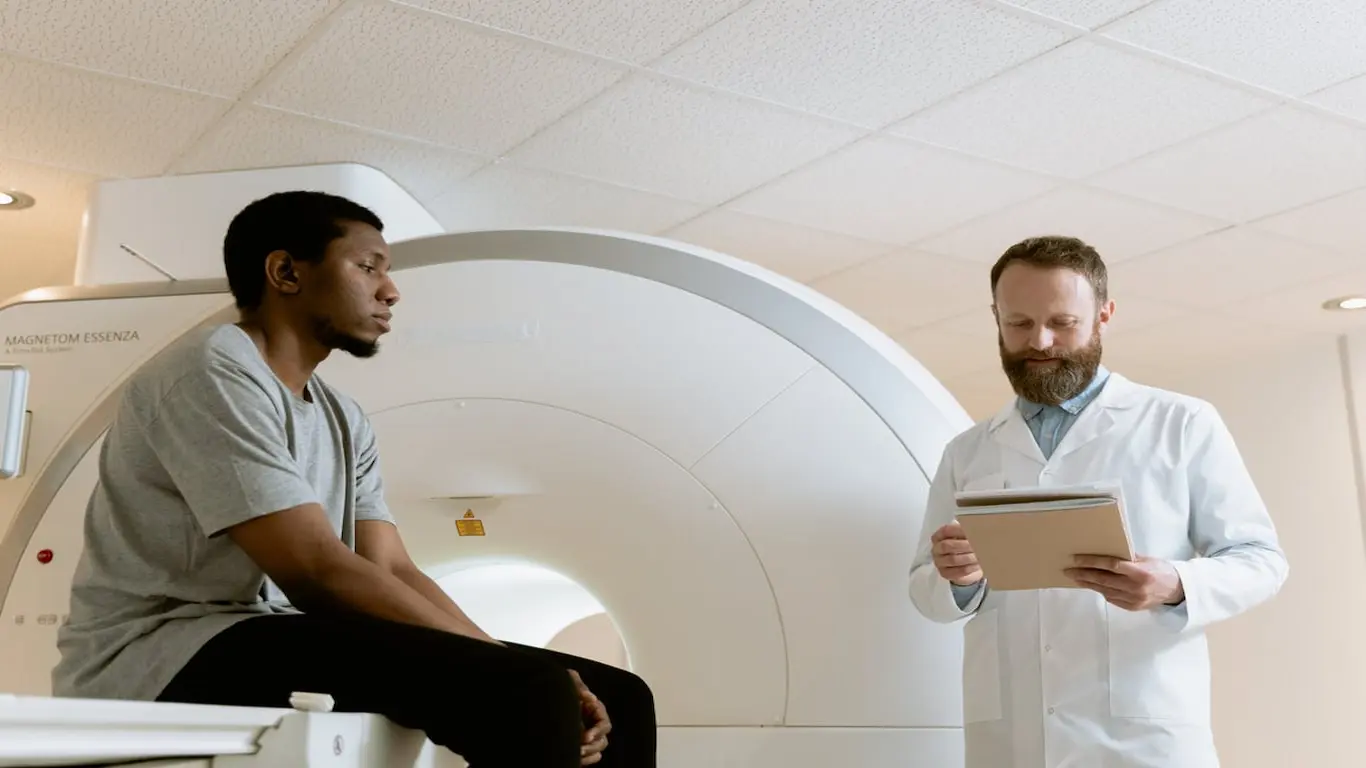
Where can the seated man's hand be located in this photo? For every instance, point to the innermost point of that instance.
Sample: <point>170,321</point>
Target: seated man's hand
<point>595,718</point>
<point>1134,586</point>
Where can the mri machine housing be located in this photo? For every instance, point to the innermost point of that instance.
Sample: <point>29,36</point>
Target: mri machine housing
<point>735,467</point>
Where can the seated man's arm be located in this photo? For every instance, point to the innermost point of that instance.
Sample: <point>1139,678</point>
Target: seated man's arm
<point>380,543</point>
<point>299,550</point>
<point>377,535</point>
<point>1241,563</point>
<point>220,439</point>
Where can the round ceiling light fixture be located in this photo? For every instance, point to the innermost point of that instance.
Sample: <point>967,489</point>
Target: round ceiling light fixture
<point>14,200</point>
<point>1346,303</point>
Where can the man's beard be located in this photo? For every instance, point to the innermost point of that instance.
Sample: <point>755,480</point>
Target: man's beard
<point>332,338</point>
<point>1054,384</point>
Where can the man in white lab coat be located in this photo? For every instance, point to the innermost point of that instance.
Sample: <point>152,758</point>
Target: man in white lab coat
<point>1115,673</point>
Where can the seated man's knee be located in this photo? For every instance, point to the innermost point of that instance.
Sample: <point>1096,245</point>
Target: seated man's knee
<point>635,690</point>
<point>627,695</point>
<point>528,713</point>
<point>542,686</point>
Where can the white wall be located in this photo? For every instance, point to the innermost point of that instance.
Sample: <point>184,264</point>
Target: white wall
<point>1289,676</point>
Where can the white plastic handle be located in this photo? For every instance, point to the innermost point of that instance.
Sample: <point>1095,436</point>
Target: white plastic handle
<point>311,702</point>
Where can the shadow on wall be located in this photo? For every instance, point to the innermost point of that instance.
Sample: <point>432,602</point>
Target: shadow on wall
<point>533,605</point>
<point>594,637</point>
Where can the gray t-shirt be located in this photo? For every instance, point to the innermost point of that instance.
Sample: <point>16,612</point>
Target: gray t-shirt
<point>206,437</point>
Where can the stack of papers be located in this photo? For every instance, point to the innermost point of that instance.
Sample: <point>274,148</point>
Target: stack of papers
<point>1024,538</point>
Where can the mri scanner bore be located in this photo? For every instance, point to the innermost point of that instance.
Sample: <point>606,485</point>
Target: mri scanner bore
<point>733,467</point>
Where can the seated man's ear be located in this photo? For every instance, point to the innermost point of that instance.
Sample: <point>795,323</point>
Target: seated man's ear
<point>280,272</point>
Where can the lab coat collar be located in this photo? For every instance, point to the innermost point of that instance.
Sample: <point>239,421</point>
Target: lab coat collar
<point>1118,395</point>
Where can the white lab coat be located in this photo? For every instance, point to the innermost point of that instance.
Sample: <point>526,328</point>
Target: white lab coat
<point>1061,679</point>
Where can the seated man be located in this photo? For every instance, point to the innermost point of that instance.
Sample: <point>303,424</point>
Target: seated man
<point>238,546</point>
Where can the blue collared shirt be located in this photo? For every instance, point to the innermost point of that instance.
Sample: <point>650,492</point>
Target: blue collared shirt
<point>1049,423</point>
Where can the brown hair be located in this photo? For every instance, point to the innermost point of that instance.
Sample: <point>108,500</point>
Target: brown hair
<point>1056,252</point>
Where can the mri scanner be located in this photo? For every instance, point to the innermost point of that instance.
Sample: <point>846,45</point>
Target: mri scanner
<point>719,468</point>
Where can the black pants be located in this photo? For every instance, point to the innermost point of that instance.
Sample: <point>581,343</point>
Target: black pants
<point>497,707</point>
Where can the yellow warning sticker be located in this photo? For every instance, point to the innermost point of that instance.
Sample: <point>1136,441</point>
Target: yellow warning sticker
<point>470,525</point>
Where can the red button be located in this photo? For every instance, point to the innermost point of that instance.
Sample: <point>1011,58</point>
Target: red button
<point>45,556</point>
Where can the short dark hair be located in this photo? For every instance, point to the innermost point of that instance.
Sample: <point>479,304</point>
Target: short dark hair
<point>1056,252</point>
<point>302,223</point>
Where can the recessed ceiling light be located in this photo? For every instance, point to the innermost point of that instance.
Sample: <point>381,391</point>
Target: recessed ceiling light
<point>14,200</point>
<point>1346,302</point>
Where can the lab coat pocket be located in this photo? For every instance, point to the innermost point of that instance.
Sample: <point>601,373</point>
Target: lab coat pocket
<point>981,668</point>
<point>1157,672</point>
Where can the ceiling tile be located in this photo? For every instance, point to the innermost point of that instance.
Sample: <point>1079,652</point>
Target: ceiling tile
<point>1346,98</point>
<point>670,138</point>
<point>946,354</point>
<point>908,289</point>
<point>209,46</point>
<point>1085,13</point>
<point>1291,46</point>
<point>62,117</point>
<point>38,245</point>
<point>1280,159</point>
<point>1332,223</point>
<point>505,196</point>
<point>1062,114</point>
<point>796,252</point>
<point>863,61</point>
<point>436,79</point>
<point>1225,267</point>
<point>255,137</point>
<point>892,191</point>
<point>637,31</point>
<point>1118,227</point>
<point>1300,308</point>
